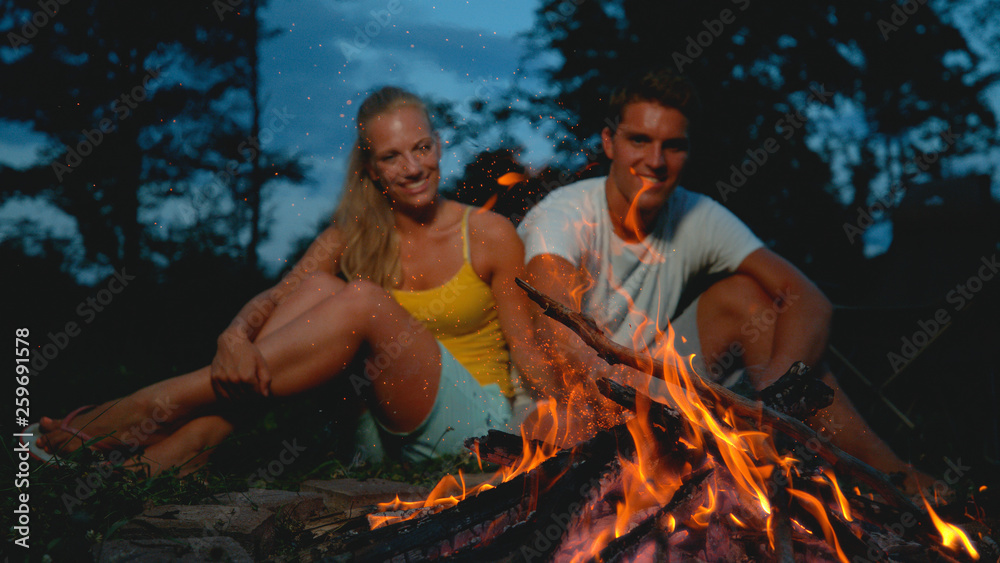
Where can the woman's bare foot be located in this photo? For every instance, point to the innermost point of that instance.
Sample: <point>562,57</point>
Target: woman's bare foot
<point>60,436</point>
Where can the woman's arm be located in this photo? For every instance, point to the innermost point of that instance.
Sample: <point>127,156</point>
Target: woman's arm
<point>504,261</point>
<point>238,367</point>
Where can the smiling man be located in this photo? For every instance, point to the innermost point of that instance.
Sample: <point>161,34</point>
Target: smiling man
<point>624,248</point>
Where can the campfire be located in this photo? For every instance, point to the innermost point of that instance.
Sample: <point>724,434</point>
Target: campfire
<point>700,474</point>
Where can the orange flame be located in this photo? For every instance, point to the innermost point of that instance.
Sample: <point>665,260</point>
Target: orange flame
<point>815,507</point>
<point>951,535</point>
<point>701,516</point>
<point>845,508</point>
<point>449,491</point>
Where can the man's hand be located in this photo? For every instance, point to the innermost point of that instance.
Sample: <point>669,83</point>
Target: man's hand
<point>238,368</point>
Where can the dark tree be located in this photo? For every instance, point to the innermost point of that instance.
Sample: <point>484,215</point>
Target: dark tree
<point>870,91</point>
<point>141,103</point>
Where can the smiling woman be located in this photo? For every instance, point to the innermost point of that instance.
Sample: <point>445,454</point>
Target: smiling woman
<point>401,281</point>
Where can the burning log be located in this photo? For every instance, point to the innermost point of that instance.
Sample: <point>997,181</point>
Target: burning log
<point>780,524</point>
<point>505,517</point>
<point>574,476</point>
<point>797,394</point>
<point>500,448</point>
<point>710,392</point>
<point>626,545</point>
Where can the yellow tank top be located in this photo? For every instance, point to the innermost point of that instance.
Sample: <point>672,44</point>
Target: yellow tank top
<point>462,315</point>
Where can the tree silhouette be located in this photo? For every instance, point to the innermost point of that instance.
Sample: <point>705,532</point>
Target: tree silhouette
<point>140,104</point>
<point>871,86</point>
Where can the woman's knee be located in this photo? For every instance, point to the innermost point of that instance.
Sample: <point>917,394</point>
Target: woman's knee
<point>320,284</point>
<point>366,294</point>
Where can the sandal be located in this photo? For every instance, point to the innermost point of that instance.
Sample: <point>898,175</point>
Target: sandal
<point>41,455</point>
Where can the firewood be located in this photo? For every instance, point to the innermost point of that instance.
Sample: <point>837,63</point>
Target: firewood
<point>781,524</point>
<point>499,447</point>
<point>624,546</point>
<point>562,491</point>
<point>525,502</point>
<point>755,411</point>
<point>797,393</point>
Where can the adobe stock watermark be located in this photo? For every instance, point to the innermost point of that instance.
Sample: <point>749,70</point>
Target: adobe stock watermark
<point>87,310</point>
<point>363,36</point>
<point>866,214</point>
<point>760,322</point>
<point>274,468</point>
<point>47,11</point>
<point>900,16</point>
<point>387,352</point>
<point>927,329</point>
<point>487,87</point>
<point>322,250</point>
<point>92,138</point>
<point>697,43</point>
<point>956,470</point>
<point>249,148</point>
<point>786,126</point>
<point>225,7</point>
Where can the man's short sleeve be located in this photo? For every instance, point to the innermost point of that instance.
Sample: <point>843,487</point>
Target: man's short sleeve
<point>728,241</point>
<point>555,226</point>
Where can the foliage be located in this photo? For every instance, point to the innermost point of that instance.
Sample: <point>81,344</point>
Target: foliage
<point>140,105</point>
<point>852,97</point>
<point>70,517</point>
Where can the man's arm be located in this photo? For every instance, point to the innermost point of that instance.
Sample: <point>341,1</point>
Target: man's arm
<point>804,313</point>
<point>579,365</point>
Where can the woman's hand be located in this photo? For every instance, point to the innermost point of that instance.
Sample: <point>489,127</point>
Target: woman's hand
<point>238,368</point>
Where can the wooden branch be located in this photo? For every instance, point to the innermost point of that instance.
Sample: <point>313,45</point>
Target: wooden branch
<point>781,525</point>
<point>660,415</point>
<point>797,393</point>
<point>623,548</point>
<point>755,411</point>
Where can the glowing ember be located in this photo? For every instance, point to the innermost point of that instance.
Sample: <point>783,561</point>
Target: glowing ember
<point>511,178</point>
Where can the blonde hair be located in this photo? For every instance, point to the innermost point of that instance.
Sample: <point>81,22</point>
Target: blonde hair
<point>364,216</point>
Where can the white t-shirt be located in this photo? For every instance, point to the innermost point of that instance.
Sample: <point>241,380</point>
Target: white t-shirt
<point>693,234</point>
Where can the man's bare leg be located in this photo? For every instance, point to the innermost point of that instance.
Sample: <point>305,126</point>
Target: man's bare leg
<point>726,311</point>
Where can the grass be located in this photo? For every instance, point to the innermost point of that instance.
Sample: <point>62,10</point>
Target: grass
<point>75,506</point>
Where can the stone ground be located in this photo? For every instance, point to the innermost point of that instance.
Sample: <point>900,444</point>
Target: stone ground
<point>249,526</point>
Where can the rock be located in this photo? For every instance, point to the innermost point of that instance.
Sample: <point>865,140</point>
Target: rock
<point>251,527</point>
<point>345,495</point>
<point>163,550</point>
<point>298,506</point>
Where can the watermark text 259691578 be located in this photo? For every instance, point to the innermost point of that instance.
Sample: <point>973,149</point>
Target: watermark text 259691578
<point>22,355</point>
<point>22,376</point>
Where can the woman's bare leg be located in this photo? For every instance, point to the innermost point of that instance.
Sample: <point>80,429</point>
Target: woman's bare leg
<point>310,338</point>
<point>187,449</point>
